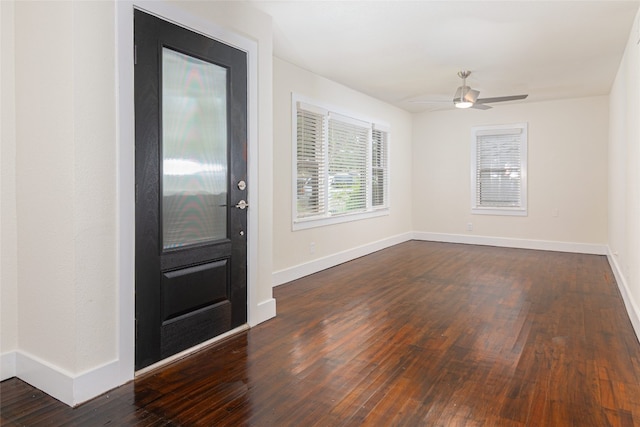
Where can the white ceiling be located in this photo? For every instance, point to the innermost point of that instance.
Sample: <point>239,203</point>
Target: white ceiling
<point>397,51</point>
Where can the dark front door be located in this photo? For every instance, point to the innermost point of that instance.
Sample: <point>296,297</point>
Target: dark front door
<point>191,188</point>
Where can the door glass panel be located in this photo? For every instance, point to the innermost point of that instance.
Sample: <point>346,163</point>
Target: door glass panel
<point>194,150</point>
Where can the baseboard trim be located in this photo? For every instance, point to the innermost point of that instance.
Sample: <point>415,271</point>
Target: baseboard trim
<point>7,365</point>
<point>545,245</point>
<point>301,270</point>
<point>96,381</point>
<point>264,311</point>
<point>629,303</point>
<point>62,385</point>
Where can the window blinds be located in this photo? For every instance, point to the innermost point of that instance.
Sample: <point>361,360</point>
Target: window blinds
<point>379,168</point>
<point>348,141</point>
<point>310,158</point>
<point>498,169</point>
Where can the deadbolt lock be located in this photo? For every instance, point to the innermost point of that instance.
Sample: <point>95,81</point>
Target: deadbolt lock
<point>242,185</point>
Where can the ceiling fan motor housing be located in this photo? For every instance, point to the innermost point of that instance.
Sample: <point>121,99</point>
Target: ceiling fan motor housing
<point>466,94</point>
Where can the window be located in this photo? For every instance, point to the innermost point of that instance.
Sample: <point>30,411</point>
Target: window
<point>499,170</point>
<point>341,167</point>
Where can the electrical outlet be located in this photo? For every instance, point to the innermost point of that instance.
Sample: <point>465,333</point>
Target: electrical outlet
<point>469,226</point>
<point>312,248</point>
<point>555,212</point>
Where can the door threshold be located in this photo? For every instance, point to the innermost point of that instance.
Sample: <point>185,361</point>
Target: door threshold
<point>164,362</point>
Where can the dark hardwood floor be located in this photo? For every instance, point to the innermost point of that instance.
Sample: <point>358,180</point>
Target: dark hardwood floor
<point>420,334</point>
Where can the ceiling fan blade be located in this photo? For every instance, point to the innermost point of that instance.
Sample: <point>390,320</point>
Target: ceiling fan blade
<point>501,99</point>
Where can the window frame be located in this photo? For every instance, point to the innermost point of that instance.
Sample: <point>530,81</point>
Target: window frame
<point>332,112</point>
<point>516,128</point>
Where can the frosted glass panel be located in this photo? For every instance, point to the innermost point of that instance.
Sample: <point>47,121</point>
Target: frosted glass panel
<point>194,150</point>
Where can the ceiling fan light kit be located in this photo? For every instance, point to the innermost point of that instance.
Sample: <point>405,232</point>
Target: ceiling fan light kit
<point>462,104</point>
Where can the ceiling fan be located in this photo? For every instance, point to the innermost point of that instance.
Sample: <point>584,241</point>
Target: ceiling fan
<point>465,97</point>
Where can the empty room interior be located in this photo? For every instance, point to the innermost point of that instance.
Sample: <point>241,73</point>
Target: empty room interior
<point>416,213</point>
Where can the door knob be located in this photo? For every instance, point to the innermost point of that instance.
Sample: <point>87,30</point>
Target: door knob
<point>242,205</point>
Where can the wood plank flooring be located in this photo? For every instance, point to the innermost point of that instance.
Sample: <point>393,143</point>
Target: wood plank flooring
<point>420,334</point>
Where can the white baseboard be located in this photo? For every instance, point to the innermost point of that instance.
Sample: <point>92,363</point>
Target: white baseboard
<point>7,365</point>
<point>265,310</point>
<point>301,270</point>
<point>95,382</point>
<point>545,245</point>
<point>67,388</point>
<point>44,376</point>
<point>629,303</point>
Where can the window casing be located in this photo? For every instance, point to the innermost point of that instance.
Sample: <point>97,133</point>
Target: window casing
<point>341,167</point>
<point>499,170</point>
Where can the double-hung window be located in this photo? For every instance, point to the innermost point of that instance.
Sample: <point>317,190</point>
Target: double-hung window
<point>499,170</point>
<point>341,167</point>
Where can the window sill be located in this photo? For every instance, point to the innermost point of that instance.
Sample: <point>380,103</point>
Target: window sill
<point>305,223</point>
<point>499,211</point>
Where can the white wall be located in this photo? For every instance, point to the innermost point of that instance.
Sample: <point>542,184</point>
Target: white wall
<point>292,255</point>
<point>64,289</point>
<point>65,104</point>
<point>624,176</point>
<point>67,292</point>
<point>8,224</point>
<point>567,171</point>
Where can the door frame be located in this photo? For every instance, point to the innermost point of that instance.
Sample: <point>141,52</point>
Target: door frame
<point>125,173</point>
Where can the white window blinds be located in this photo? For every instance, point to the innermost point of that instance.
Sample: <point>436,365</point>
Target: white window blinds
<point>499,170</point>
<point>341,165</point>
<point>310,160</point>
<point>348,141</point>
<point>379,168</point>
